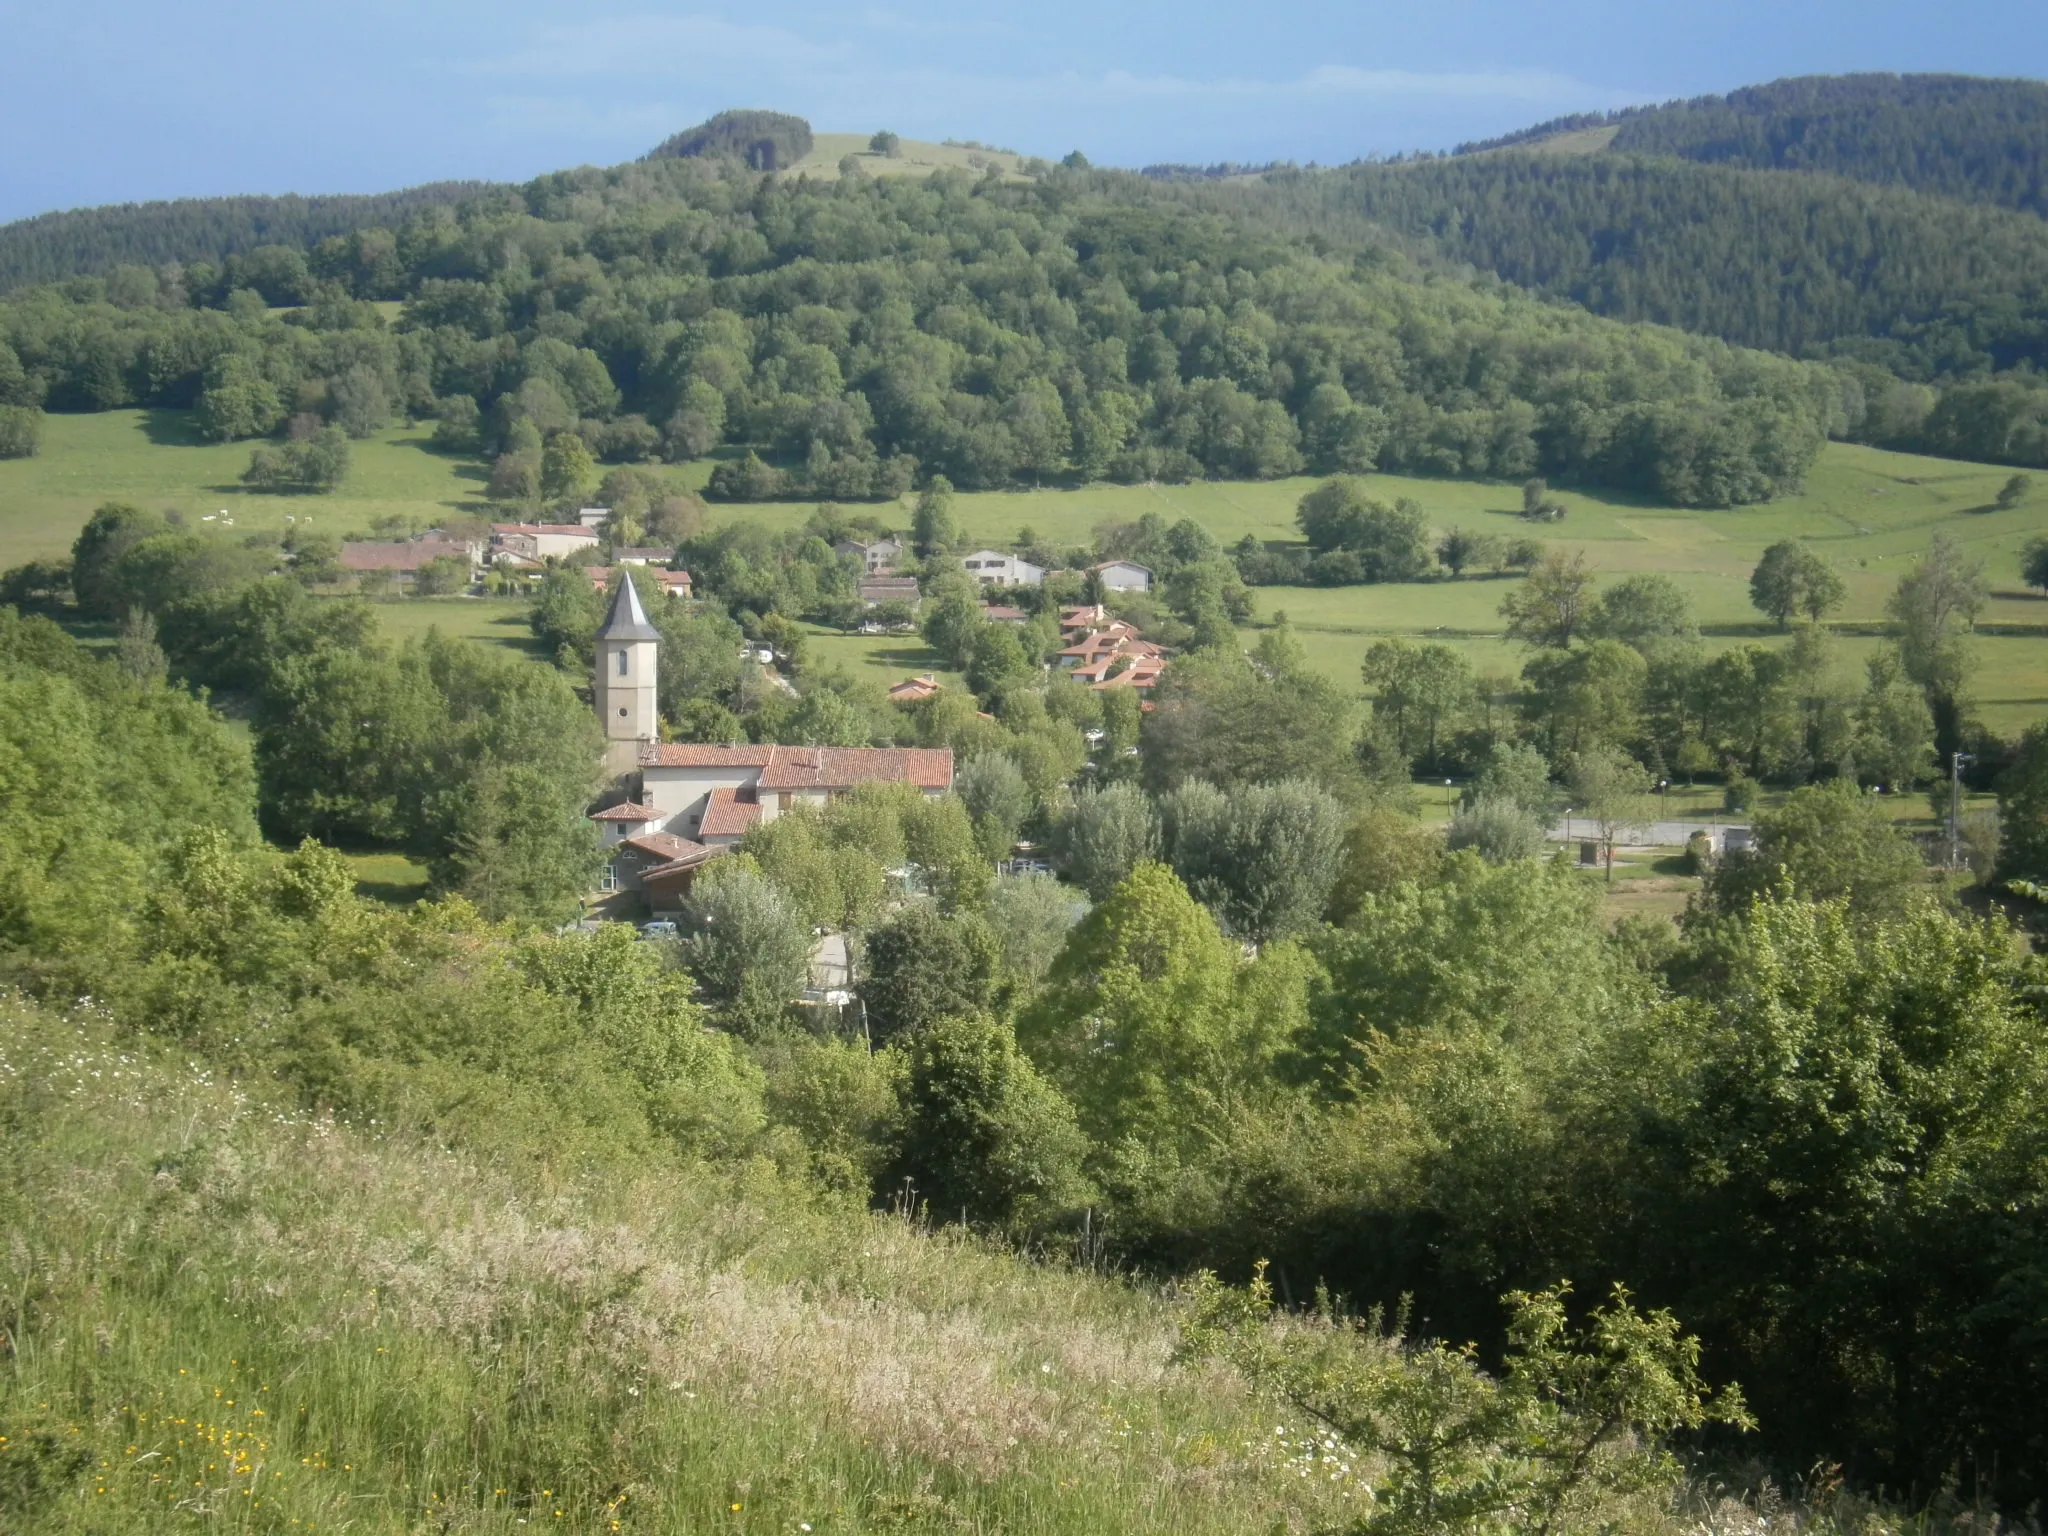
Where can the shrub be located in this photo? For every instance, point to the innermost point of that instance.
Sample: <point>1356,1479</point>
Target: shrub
<point>315,463</point>
<point>1498,829</point>
<point>21,431</point>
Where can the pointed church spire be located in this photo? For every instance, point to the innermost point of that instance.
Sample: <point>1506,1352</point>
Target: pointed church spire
<point>627,620</point>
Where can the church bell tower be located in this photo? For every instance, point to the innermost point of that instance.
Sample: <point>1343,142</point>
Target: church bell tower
<point>624,684</point>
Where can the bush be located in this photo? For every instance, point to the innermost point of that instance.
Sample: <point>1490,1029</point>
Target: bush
<point>1498,829</point>
<point>984,1135</point>
<point>1741,794</point>
<point>315,463</point>
<point>21,431</point>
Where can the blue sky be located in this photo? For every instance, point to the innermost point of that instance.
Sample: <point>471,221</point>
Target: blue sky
<point>110,100</point>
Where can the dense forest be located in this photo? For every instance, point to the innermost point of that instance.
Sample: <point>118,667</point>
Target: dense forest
<point>1953,135</point>
<point>85,241</point>
<point>863,334</point>
<point>1800,264</point>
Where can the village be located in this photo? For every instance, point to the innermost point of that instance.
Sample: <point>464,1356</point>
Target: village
<point>671,807</point>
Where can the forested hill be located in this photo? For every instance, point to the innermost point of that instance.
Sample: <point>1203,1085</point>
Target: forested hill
<point>862,334</point>
<point>1795,263</point>
<point>1975,140</point>
<point>89,241</point>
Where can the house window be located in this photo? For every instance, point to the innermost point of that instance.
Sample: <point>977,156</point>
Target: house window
<point>622,662</point>
<point>608,878</point>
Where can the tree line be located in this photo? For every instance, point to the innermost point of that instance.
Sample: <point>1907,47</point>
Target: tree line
<point>1802,264</point>
<point>1957,136</point>
<point>90,242</point>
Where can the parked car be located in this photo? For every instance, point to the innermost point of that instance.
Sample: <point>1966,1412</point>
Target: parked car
<point>659,929</point>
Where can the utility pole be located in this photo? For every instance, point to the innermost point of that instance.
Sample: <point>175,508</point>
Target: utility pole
<point>1955,806</point>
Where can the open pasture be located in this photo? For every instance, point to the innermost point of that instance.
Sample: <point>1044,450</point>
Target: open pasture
<point>1869,513</point>
<point>914,157</point>
<point>155,460</point>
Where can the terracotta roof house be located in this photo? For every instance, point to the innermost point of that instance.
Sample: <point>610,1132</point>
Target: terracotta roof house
<point>912,689</point>
<point>1093,644</point>
<point>618,823</point>
<point>1141,675</point>
<point>404,557</point>
<point>651,871</point>
<point>726,817</point>
<point>715,793</point>
<point>540,541</point>
<point>876,590</point>
<point>1085,616</point>
<point>1002,613</point>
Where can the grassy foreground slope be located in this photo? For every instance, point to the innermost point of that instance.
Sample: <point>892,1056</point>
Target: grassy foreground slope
<point>222,1315</point>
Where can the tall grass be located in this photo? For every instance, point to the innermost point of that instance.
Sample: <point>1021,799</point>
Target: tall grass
<point>219,1314</point>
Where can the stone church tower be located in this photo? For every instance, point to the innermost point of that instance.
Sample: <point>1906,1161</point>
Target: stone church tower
<point>624,684</point>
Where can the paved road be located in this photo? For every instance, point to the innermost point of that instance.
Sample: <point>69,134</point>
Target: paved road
<point>1655,834</point>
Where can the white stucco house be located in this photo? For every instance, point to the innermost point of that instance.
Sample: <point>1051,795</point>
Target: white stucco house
<point>993,568</point>
<point>1123,576</point>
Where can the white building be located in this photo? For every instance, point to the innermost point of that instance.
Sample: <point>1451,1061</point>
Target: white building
<point>992,568</point>
<point>1123,576</point>
<point>540,541</point>
<point>877,557</point>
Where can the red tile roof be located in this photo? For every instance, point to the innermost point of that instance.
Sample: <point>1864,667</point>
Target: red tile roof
<point>665,846</point>
<point>813,767</point>
<point>399,554</point>
<point>690,754</point>
<point>562,528</point>
<point>916,688</point>
<point>679,866</point>
<point>627,812</point>
<point>727,815</point>
<point>844,767</point>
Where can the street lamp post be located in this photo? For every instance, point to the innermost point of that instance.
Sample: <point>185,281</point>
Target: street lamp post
<point>1955,806</point>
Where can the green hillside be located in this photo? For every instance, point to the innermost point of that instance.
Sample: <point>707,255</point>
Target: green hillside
<point>92,241</point>
<point>249,1316</point>
<point>1798,263</point>
<point>1957,136</point>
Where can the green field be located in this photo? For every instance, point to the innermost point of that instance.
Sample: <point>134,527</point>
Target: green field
<point>913,157</point>
<point>1868,512</point>
<point>152,458</point>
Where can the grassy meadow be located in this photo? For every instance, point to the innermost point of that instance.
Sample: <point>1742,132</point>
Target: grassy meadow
<point>230,1315</point>
<point>1869,513</point>
<point>913,157</point>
